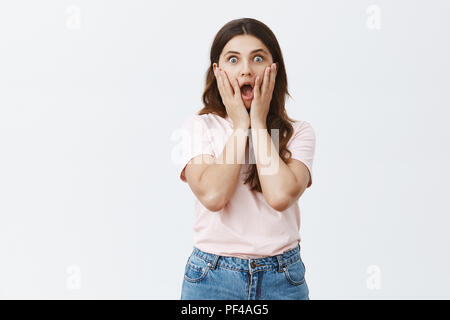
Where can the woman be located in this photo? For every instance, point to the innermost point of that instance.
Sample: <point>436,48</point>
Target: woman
<point>247,220</point>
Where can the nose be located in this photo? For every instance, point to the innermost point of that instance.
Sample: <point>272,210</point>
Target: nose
<point>246,69</point>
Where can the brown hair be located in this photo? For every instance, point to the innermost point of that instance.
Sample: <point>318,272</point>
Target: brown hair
<point>277,117</point>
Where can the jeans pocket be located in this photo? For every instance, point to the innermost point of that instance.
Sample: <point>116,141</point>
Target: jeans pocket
<point>295,272</point>
<point>196,269</point>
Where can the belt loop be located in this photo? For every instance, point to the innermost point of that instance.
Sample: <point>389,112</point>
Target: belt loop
<point>213,264</point>
<point>280,262</point>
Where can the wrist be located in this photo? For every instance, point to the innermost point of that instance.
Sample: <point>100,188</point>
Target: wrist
<point>241,126</point>
<point>258,123</point>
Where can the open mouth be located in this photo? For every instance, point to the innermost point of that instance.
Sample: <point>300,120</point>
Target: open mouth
<point>247,92</point>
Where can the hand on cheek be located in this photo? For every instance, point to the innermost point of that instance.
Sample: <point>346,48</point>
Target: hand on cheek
<point>263,91</point>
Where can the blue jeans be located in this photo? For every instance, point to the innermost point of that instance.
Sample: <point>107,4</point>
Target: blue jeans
<point>210,276</point>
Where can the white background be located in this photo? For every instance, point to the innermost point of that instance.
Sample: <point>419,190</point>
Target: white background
<point>91,91</point>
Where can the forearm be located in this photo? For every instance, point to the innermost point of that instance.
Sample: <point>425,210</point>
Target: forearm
<point>277,180</point>
<point>223,175</point>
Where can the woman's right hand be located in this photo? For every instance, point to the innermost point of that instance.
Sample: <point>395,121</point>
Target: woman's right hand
<point>231,98</point>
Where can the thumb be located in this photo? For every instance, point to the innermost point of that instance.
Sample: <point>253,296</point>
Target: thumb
<point>256,89</point>
<point>237,90</point>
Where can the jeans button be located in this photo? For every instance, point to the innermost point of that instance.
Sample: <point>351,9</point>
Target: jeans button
<point>253,264</point>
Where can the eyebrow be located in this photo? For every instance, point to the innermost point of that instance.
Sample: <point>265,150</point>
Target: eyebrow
<point>257,50</point>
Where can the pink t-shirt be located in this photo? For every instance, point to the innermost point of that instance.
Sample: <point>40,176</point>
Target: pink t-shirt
<point>247,227</point>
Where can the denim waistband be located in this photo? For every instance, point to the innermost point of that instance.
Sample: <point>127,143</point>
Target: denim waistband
<point>240,264</point>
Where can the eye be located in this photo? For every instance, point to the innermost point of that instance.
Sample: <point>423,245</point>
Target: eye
<point>231,58</point>
<point>259,57</point>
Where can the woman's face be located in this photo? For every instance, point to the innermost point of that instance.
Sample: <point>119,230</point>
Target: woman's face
<point>243,58</point>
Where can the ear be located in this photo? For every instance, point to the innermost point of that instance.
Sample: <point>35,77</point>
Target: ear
<point>278,65</point>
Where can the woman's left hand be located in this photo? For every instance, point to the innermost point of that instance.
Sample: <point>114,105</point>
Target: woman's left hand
<point>262,95</point>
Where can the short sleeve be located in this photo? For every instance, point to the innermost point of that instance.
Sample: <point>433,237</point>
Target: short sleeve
<point>194,140</point>
<point>302,145</point>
